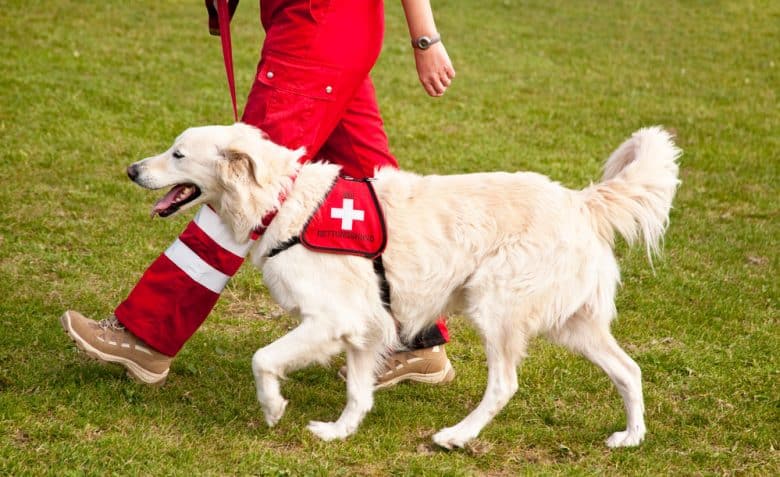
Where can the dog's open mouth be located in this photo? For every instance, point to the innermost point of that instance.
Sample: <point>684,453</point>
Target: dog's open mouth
<point>178,196</point>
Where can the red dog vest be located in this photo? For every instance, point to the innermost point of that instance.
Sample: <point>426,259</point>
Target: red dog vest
<point>349,221</point>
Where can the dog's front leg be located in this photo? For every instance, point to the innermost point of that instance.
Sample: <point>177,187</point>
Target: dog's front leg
<point>360,395</point>
<point>303,345</point>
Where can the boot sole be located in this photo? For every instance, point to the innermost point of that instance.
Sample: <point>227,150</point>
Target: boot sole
<point>442,377</point>
<point>134,371</point>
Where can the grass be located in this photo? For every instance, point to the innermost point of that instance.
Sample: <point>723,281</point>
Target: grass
<point>550,86</point>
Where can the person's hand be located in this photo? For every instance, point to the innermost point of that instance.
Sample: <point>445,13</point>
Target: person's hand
<point>434,69</point>
<point>211,8</point>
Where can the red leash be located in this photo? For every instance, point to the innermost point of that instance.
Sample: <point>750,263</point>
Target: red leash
<point>227,50</point>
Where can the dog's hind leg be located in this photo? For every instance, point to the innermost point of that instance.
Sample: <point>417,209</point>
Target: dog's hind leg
<point>504,347</point>
<point>589,335</point>
<point>305,344</point>
<point>360,394</point>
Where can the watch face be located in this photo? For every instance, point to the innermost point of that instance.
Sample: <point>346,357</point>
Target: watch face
<point>423,42</point>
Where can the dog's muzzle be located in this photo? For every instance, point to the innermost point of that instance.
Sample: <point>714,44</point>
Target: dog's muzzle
<point>170,203</point>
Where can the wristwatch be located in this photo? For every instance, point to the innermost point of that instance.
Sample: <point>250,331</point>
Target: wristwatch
<point>424,42</point>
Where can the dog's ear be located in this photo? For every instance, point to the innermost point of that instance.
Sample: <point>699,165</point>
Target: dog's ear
<point>238,166</point>
<point>242,199</point>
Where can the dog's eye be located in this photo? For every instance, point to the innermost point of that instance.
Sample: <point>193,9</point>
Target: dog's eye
<point>177,155</point>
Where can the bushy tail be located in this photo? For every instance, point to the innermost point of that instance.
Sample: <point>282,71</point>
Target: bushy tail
<point>636,191</point>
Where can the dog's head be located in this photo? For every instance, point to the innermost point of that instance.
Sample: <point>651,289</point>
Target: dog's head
<point>236,169</point>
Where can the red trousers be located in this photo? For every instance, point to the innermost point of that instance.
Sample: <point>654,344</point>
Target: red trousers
<point>312,89</point>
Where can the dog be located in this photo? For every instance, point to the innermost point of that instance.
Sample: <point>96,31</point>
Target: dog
<point>516,253</point>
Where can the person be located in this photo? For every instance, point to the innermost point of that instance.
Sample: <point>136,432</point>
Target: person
<point>312,89</point>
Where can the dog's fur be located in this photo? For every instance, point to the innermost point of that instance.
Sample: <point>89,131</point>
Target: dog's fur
<point>518,254</point>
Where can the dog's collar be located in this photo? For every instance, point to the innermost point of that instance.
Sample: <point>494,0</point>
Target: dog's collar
<point>265,222</point>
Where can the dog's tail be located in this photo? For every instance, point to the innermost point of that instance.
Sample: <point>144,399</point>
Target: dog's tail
<point>636,191</point>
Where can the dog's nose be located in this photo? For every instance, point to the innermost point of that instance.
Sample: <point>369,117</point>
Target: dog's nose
<point>132,172</point>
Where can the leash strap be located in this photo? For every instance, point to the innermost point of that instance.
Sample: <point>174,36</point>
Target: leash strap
<point>227,50</point>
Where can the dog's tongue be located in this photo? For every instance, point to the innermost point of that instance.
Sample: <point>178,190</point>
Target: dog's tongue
<point>167,200</point>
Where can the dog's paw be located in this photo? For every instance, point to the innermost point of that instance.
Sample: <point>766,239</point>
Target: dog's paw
<point>328,431</point>
<point>451,437</point>
<point>627,438</point>
<point>274,412</point>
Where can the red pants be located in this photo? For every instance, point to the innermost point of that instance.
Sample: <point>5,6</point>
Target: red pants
<point>312,89</point>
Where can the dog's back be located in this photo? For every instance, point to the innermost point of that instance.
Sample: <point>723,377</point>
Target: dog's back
<point>445,229</point>
<point>545,246</point>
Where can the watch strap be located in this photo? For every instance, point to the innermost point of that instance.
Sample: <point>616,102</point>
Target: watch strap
<point>424,42</point>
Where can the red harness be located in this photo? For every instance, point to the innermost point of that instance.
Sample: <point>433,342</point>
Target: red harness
<point>349,221</point>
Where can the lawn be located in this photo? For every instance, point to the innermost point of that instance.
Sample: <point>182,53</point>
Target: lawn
<point>550,86</point>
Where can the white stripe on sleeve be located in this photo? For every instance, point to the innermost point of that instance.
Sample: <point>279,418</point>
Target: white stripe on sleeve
<point>212,225</point>
<point>195,267</point>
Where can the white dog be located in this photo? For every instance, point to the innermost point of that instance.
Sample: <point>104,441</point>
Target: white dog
<point>518,254</point>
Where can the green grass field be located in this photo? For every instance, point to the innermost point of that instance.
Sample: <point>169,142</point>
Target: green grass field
<point>551,86</point>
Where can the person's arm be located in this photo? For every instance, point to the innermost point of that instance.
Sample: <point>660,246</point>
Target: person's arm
<point>434,67</point>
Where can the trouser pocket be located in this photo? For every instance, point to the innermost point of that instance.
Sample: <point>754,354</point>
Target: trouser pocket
<point>292,102</point>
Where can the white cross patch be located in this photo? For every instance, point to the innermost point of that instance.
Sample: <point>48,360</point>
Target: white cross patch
<point>347,214</point>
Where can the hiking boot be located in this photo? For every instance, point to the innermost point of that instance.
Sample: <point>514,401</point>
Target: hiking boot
<point>110,342</point>
<point>428,365</point>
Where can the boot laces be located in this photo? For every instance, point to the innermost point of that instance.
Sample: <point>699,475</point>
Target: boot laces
<point>111,323</point>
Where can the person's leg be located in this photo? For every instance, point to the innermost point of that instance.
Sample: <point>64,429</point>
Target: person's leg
<point>167,305</point>
<point>359,143</point>
<point>436,335</point>
<point>180,288</point>
<point>297,101</point>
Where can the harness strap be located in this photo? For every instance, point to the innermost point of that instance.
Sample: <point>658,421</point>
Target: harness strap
<point>384,285</point>
<point>291,242</point>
